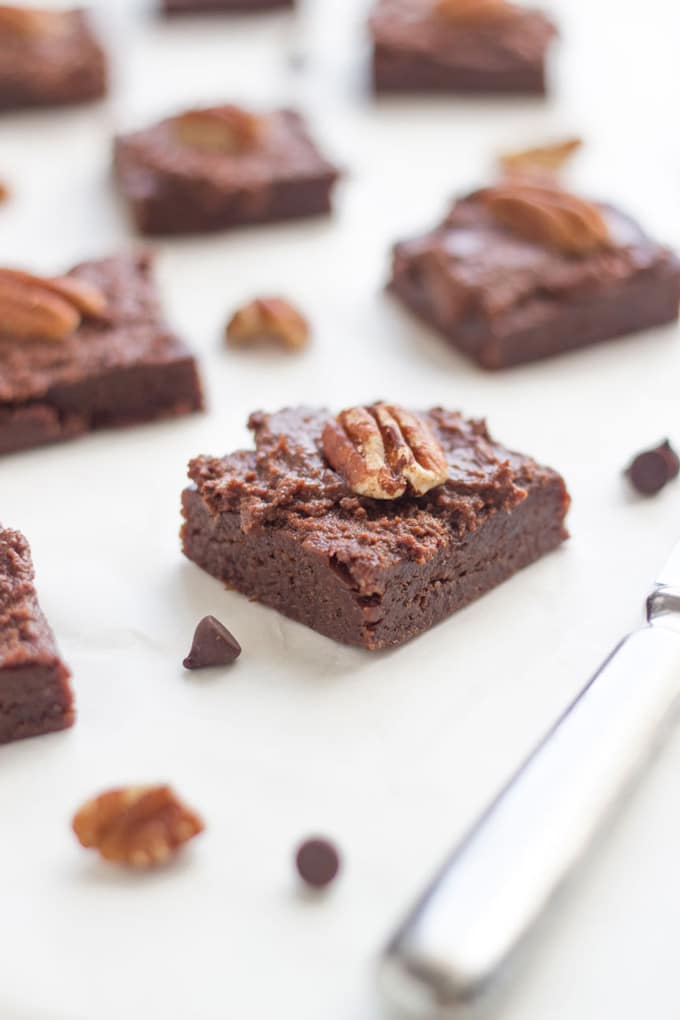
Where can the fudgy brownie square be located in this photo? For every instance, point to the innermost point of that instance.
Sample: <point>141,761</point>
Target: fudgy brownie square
<point>220,167</point>
<point>35,693</point>
<point>459,46</point>
<point>373,526</point>
<point>48,58</point>
<point>525,270</point>
<point>88,350</point>
<point>223,6</point>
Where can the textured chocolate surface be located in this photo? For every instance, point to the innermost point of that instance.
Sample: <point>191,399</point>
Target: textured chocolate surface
<point>417,50</point>
<point>128,369</point>
<point>173,188</point>
<point>35,694</point>
<point>68,66</point>
<point>281,526</point>
<point>504,300</point>
<point>223,6</point>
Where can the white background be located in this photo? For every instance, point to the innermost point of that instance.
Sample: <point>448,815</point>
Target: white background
<point>391,754</point>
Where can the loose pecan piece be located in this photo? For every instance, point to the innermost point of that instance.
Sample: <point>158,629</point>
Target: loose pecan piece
<point>46,308</point>
<point>545,213</point>
<point>140,826</point>
<point>268,320</point>
<point>541,160</point>
<point>219,129</point>
<point>4,192</point>
<point>383,451</point>
<point>475,12</point>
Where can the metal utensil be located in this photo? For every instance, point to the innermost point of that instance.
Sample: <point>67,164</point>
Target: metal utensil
<point>500,877</point>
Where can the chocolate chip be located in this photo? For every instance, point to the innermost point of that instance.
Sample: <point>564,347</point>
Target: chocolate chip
<point>652,469</point>
<point>213,645</point>
<point>317,862</point>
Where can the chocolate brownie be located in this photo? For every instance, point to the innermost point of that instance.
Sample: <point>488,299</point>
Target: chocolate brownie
<point>504,297</point>
<point>48,58</point>
<point>418,47</point>
<point>35,693</point>
<point>220,167</point>
<point>223,6</point>
<point>281,525</point>
<point>68,371</point>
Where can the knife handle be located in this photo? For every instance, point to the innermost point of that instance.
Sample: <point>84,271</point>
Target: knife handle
<point>503,873</point>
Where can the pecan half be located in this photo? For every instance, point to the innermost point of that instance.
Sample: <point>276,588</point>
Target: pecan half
<point>46,308</point>
<point>30,22</point>
<point>545,213</point>
<point>268,320</point>
<point>4,192</point>
<point>543,159</point>
<point>219,129</point>
<point>383,451</point>
<point>475,12</point>
<point>138,825</point>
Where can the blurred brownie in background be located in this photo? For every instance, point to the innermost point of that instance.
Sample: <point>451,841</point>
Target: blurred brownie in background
<point>220,167</point>
<point>88,350</point>
<point>222,6</point>
<point>525,269</point>
<point>48,58</point>
<point>465,46</point>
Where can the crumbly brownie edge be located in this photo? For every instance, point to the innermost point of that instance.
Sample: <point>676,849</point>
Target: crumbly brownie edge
<point>272,568</point>
<point>34,700</point>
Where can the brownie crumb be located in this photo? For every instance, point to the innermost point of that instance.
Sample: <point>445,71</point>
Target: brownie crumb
<point>652,469</point>
<point>317,862</point>
<point>213,645</point>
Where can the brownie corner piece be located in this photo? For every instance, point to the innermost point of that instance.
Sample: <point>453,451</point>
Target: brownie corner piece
<point>35,692</point>
<point>504,297</point>
<point>221,167</point>
<point>424,47</point>
<point>49,58</point>
<point>284,526</point>
<point>99,356</point>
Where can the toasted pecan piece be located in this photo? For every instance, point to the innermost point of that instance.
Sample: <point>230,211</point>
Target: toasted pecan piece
<point>140,826</point>
<point>383,451</point>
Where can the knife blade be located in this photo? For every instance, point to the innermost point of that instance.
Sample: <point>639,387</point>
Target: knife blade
<point>479,908</point>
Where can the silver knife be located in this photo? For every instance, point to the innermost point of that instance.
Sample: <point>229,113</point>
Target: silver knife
<point>473,916</point>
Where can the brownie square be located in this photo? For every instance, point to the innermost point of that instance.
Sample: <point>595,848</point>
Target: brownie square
<point>48,58</point>
<point>35,693</point>
<point>503,299</point>
<point>415,49</point>
<point>280,525</point>
<point>125,369</point>
<point>173,187</point>
<point>223,6</point>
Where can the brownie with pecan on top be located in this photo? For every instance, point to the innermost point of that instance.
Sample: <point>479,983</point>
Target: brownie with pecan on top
<point>35,692</point>
<point>88,350</point>
<point>526,269</point>
<point>48,58</point>
<point>459,46</point>
<point>220,167</point>
<point>373,526</point>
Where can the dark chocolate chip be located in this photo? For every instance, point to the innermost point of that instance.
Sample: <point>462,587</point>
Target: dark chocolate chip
<point>653,469</point>
<point>213,645</point>
<point>317,862</point>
